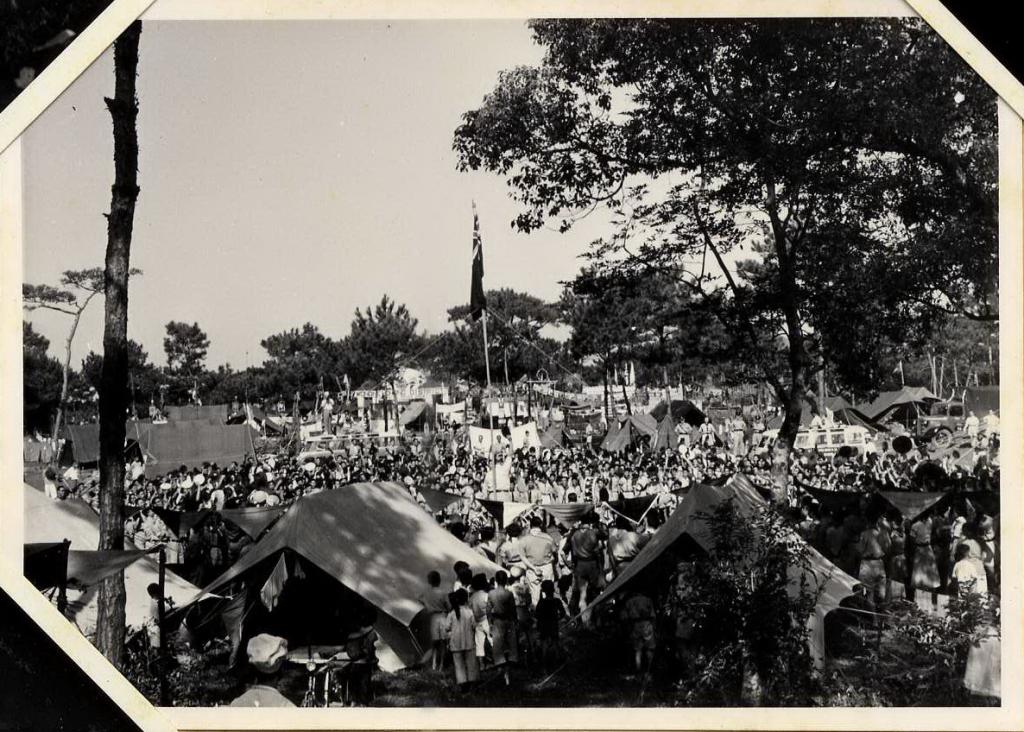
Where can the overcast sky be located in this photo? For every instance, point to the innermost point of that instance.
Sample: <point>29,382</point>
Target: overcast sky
<point>290,172</point>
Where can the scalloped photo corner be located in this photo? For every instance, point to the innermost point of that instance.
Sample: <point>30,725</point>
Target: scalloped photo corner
<point>530,366</point>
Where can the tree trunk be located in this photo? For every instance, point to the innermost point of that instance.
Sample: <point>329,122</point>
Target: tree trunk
<point>604,376</point>
<point>799,367</point>
<point>61,406</point>
<point>110,620</point>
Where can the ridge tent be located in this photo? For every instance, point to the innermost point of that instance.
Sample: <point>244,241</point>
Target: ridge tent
<point>666,437</point>
<point>192,443</point>
<point>47,520</point>
<point>635,427</point>
<point>82,441</point>
<point>687,520</point>
<point>377,542</point>
<point>897,405</point>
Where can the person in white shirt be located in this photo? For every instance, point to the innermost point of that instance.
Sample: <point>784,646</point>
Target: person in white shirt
<point>967,574</point>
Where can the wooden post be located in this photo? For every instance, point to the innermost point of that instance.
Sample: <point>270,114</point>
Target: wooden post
<point>161,614</point>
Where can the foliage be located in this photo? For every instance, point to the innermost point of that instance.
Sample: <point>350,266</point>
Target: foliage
<point>743,611</point>
<point>300,359</point>
<point>922,660</point>
<point>144,377</point>
<point>42,379</point>
<point>516,346</point>
<point>186,346</point>
<point>380,338</point>
<point>867,219</point>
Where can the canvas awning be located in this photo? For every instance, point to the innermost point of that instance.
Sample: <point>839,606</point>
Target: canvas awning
<point>190,412</point>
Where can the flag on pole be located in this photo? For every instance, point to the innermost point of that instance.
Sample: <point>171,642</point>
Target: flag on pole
<point>477,299</point>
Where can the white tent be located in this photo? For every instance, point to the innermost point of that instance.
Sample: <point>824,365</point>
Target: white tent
<point>47,520</point>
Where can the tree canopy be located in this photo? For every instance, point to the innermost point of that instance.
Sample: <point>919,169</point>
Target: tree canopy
<point>853,162</point>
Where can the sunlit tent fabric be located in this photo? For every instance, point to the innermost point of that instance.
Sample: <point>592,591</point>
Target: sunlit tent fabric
<point>189,412</point>
<point>834,584</point>
<point>87,568</point>
<point>47,520</point>
<point>888,402</point>
<point>666,438</point>
<point>375,540</point>
<point>169,446</point>
<point>682,410</point>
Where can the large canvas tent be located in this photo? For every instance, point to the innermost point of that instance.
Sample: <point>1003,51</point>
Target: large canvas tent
<point>47,520</point>
<point>374,539</point>
<point>688,520</point>
<point>192,443</point>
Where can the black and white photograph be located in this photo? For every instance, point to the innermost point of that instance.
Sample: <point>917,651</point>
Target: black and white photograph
<point>545,363</point>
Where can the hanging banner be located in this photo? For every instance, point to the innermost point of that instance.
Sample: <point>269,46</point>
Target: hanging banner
<point>481,439</point>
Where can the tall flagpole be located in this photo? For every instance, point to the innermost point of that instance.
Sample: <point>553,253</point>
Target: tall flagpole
<point>490,414</point>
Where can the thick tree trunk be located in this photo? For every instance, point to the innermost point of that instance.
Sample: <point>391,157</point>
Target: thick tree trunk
<point>110,621</point>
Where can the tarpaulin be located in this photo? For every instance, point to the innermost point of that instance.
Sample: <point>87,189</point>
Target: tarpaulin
<point>688,519</point>
<point>438,500</point>
<point>833,500</point>
<point>412,412</point>
<point>633,508</point>
<point>88,568</point>
<point>253,520</point>
<point>191,412</point>
<point>567,513</point>
<point>193,443</point>
<point>912,504</point>
<point>504,512</point>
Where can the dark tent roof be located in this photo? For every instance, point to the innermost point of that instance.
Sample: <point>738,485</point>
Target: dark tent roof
<point>375,540</point>
<point>688,519</point>
<point>85,442</point>
<point>682,411</point>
